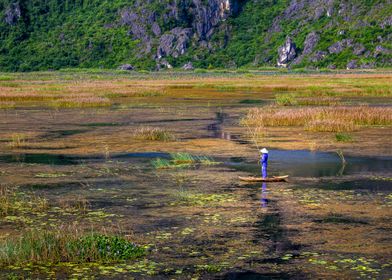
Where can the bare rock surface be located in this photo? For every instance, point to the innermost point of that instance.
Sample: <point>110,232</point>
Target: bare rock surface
<point>13,13</point>
<point>286,53</point>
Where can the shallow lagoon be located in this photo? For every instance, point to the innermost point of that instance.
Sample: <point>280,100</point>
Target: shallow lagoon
<point>329,221</point>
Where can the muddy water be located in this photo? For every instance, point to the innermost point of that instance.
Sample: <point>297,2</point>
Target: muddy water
<point>330,221</point>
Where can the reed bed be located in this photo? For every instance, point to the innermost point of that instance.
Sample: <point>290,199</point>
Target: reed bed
<point>7,105</point>
<point>66,245</point>
<point>153,134</point>
<point>333,119</point>
<point>81,102</point>
<point>18,140</point>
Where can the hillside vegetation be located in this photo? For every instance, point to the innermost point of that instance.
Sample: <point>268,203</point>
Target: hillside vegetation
<point>156,34</point>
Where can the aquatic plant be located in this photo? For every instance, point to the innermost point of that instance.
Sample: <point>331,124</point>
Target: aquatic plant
<point>343,137</point>
<point>153,134</point>
<point>50,175</point>
<point>61,246</point>
<point>182,160</point>
<point>17,140</point>
<point>187,197</point>
<point>74,203</point>
<point>13,201</point>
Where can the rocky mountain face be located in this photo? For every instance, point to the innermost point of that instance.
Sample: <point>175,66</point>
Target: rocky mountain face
<point>194,24</point>
<point>156,34</point>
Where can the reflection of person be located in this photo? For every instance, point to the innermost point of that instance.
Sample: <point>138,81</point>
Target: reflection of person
<point>264,162</point>
<point>264,200</point>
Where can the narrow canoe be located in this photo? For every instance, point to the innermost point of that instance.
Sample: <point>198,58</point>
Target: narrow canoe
<point>259,179</point>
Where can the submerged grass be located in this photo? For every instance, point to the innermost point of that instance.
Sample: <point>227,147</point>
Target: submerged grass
<point>42,247</point>
<point>153,134</point>
<point>12,201</point>
<point>182,160</point>
<point>186,197</point>
<point>333,119</point>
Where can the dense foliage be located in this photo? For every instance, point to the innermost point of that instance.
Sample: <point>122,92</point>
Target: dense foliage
<point>54,34</point>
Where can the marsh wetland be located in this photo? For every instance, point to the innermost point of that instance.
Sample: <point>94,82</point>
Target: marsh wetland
<point>135,176</point>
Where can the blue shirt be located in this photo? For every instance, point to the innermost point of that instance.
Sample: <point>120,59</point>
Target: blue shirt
<point>264,159</point>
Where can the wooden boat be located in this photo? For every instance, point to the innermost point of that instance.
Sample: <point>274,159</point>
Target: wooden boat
<point>259,179</point>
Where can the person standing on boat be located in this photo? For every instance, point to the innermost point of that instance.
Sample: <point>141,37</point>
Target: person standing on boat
<point>264,162</point>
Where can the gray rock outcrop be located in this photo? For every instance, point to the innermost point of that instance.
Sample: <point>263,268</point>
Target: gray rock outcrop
<point>144,26</point>
<point>126,67</point>
<point>286,53</point>
<point>381,50</point>
<point>163,64</point>
<point>318,56</point>
<point>339,46</point>
<point>188,66</point>
<point>310,43</point>
<point>353,64</point>
<point>174,43</point>
<point>12,14</point>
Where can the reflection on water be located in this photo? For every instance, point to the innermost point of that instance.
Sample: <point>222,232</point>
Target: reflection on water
<point>264,200</point>
<point>303,163</point>
<point>38,159</point>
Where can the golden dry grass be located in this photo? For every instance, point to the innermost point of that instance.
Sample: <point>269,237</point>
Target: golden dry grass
<point>332,119</point>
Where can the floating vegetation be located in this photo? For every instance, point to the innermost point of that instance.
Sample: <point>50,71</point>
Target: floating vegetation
<point>153,134</point>
<point>366,267</point>
<point>61,246</point>
<point>50,175</point>
<point>184,197</point>
<point>13,201</point>
<point>343,137</point>
<point>182,160</point>
<point>209,268</point>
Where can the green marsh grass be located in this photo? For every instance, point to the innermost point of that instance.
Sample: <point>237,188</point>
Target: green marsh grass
<point>343,137</point>
<point>153,134</point>
<point>182,160</point>
<point>43,247</point>
<point>287,99</point>
<point>293,99</point>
